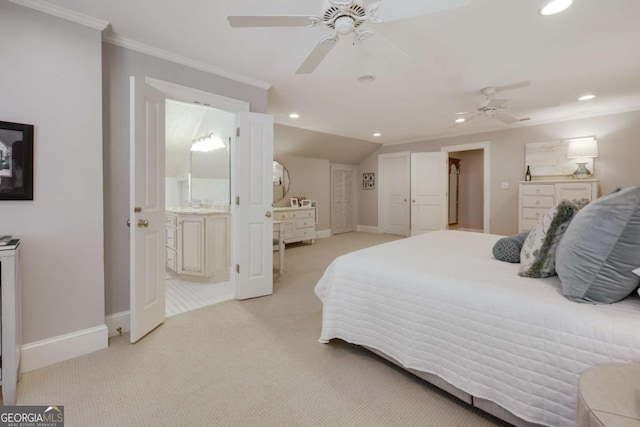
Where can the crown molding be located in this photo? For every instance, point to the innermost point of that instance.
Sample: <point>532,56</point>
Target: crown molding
<point>521,125</point>
<point>61,12</point>
<point>163,54</point>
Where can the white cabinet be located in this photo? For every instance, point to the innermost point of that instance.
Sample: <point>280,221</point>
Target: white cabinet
<point>11,319</point>
<point>198,245</point>
<point>299,224</point>
<point>536,197</point>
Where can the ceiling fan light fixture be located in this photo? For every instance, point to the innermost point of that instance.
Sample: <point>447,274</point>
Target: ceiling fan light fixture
<point>586,97</point>
<point>294,116</point>
<point>555,6</point>
<point>345,25</point>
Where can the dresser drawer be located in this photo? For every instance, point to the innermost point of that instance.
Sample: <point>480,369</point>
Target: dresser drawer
<point>279,216</point>
<point>533,213</point>
<point>309,232</point>
<point>304,223</point>
<point>172,221</point>
<point>528,224</point>
<point>302,214</point>
<point>538,190</point>
<point>537,202</point>
<point>172,238</point>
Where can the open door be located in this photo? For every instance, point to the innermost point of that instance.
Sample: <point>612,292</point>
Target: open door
<point>429,184</point>
<point>147,232</point>
<point>254,230</point>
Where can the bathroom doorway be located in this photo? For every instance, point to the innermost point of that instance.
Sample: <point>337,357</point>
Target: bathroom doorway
<point>198,141</point>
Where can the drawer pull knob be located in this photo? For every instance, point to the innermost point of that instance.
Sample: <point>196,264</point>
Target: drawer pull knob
<point>538,202</point>
<point>537,190</point>
<point>537,214</point>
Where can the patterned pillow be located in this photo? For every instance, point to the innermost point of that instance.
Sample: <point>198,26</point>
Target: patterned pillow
<point>508,248</point>
<point>538,253</point>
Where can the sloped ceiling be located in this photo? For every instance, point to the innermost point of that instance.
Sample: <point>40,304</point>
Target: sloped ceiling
<point>294,141</point>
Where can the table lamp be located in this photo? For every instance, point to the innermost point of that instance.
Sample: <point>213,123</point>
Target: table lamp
<point>582,149</point>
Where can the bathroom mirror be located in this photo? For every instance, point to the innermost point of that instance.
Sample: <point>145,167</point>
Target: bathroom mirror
<point>280,181</point>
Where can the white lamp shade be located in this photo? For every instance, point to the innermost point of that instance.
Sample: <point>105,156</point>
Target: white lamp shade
<point>582,148</point>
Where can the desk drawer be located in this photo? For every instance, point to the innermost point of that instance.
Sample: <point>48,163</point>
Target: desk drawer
<point>538,190</point>
<point>528,224</point>
<point>306,232</point>
<point>537,202</point>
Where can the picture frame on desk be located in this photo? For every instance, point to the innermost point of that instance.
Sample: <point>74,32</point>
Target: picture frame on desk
<point>305,203</point>
<point>294,202</point>
<point>16,161</point>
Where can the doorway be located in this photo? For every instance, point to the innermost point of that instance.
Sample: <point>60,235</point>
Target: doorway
<point>469,187</point>
<point>198,142</point>
<point>393,196</point>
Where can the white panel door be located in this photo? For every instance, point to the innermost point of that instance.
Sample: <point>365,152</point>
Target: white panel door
<point>342,199</point>
<point>147,232</point>
<point>254,243</point>
<point>394,192</point>
<point>429,183</point>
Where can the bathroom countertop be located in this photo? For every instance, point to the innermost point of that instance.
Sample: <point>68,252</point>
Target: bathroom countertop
<point>196,211</point>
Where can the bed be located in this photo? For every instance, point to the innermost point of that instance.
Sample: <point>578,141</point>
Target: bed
<point>440,306</point>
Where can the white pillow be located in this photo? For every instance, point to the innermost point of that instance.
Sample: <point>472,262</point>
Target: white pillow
<point>637,271</point>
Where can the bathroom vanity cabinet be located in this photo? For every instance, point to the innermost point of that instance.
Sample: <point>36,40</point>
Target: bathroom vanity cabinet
<point>198,244</point>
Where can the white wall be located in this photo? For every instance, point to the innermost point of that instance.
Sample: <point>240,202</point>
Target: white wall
<point>50,76</point>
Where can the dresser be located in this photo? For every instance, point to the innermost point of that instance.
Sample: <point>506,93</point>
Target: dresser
<point>299,224</point>
<point>537,197</point>
<point>11,319</point>
<point>198,243</point>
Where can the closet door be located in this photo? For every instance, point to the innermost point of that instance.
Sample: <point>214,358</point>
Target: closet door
<point>342,199</point>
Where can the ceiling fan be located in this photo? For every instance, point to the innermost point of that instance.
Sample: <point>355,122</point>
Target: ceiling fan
<point>346,17</point>
<point>494,108</point>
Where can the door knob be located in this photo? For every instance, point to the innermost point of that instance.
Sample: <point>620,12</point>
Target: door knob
<point>268,214</point>
<point>128,223</point>
<point>143,223</point>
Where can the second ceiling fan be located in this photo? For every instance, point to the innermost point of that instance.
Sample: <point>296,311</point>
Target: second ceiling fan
<point>345,17</point>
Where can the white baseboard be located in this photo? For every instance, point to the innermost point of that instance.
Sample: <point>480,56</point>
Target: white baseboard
<point>43,353</point>
<point>475,230</point>
<point>323,234</point>
<point>118,320</point>
<point>367,229</point>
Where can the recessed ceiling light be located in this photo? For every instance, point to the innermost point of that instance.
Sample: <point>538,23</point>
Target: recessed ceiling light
<point>586,97</point>
<point>366,79</point>
<point>377,135</point>
<point>555,6</point>
<point>461,113</point>
<point>294,116</point>
<point>461,120</point>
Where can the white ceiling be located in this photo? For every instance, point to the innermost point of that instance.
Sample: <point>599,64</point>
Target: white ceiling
<point>590,48</point>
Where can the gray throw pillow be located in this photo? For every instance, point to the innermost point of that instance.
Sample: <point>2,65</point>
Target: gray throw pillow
<point>538,254</point>
<point>601,248</point>
<point>508,248</point>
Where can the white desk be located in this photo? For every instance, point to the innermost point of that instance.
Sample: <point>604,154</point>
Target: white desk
<point>278,229</point>
<point>11,320</point>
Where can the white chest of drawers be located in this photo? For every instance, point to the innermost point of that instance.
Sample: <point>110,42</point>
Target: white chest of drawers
<point>537,197</point>
<point>298,223</point>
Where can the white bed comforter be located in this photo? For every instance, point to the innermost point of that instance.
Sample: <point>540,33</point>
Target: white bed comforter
<point>441,303</point>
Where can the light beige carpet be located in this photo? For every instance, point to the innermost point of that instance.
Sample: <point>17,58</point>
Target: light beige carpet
<point>249,363</point>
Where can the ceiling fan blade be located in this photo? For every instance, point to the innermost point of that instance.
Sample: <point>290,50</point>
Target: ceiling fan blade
<point>514,86</point>
<point>506,118</point>
<point>270,21</point>
<point>393,10</point>
<point>496,103</point>
<point>316,56</point>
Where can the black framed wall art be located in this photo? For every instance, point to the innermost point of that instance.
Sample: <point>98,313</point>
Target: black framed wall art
<point>16,161</point>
